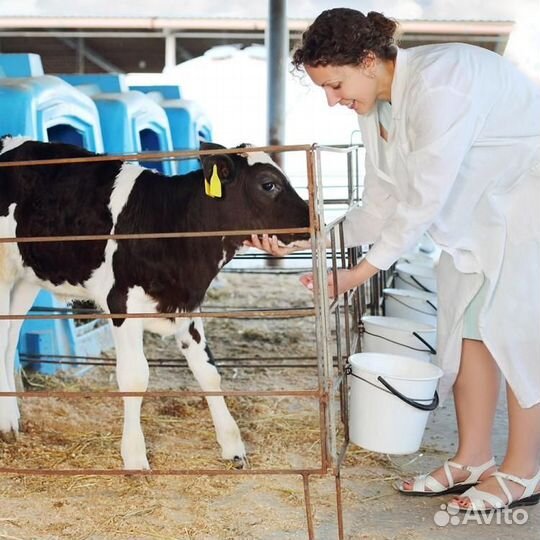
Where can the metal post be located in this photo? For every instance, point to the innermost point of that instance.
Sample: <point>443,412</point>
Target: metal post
<point>170,51</point>
<point>324,327</point>
<point>277,40</point>
<point>80,55</point>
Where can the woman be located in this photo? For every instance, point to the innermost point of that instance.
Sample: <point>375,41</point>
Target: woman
<point>452,136</point>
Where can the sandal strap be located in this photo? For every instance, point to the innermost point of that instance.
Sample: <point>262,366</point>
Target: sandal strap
<point>475,472</point>
<point>501,477</point>
<point>449,478</point>
<point>478,499</point>
<point>424,481</point>
<point>511,477</point>
<point>529,484</point>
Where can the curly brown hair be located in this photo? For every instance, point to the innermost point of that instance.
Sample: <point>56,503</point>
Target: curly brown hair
<point>343,36</point>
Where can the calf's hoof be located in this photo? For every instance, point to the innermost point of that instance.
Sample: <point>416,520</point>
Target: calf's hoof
<point>10,436</point>
<point>240,462</point>
<point>9,419</point>
<point>136,464</point>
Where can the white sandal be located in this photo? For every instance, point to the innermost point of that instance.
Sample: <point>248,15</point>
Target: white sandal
<point>478,498</point>
<point>434,487</point>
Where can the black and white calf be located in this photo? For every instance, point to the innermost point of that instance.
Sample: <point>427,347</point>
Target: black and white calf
<point>158,275</point>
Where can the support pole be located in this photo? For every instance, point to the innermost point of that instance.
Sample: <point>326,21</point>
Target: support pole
<point>277,45</point>
<point>170,51</point>
<point>80,55</point>
<point>277,41</point>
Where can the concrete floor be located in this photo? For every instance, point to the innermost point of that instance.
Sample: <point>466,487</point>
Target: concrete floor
<point>389,515</point>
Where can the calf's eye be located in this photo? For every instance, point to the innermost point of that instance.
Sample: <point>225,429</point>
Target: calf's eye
<point>269,186</point>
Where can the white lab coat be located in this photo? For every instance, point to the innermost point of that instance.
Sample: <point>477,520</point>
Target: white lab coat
<point>463,163</point>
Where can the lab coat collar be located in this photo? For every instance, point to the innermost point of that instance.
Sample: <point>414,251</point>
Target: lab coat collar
<point>399,82</point>
<point>370,121</point>
<point>369,126</point>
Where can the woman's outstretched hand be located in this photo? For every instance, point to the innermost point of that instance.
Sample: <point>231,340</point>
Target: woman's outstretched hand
<point>273,246</point>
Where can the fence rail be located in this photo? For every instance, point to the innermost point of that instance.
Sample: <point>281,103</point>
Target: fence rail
<point>345,312</point>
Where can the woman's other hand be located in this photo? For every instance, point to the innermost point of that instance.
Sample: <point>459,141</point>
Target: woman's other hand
<point>346,279</point>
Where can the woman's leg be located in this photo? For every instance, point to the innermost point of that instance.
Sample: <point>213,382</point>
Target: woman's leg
<point>476,391</point>
<point>523,453</point>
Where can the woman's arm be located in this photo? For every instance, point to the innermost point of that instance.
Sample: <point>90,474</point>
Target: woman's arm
<point>346,278</point>
<point>363,223</point>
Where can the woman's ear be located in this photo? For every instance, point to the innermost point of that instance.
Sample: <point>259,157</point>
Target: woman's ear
<point>369,63</point>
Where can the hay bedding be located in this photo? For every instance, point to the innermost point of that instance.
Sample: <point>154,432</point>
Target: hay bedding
<point>279,433</point>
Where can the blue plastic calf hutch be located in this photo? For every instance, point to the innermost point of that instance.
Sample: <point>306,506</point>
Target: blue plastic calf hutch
<point>20,65</point>
<point>189,124</point>
<point>47,108</point>
<point>131,122</point>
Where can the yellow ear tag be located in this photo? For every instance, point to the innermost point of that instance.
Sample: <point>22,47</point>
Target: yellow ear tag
<point>213,188</point>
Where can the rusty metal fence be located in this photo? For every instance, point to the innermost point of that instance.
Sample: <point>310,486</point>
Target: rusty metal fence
<point>337,324</point>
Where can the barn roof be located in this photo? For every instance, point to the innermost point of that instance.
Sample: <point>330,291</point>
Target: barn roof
<point>138,43</point>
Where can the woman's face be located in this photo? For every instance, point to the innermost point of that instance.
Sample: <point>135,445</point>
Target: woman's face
<point>354,87</point>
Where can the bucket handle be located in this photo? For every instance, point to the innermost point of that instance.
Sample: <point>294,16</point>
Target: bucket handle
<point>410,307</point>
<point>418,284</point>
<point>419,337</point>
<point>391,390</point>
<point>430,350</point>
<point>421,406</point>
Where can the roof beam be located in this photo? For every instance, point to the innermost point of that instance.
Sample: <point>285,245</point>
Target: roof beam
<point>183,24</point>
<point>91,55</point>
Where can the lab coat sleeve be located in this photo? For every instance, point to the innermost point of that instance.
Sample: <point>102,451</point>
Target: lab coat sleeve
<point>363,224</point>
<point>442,124</point>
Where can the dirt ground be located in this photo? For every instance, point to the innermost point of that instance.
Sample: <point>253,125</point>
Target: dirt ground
<point>279,433</point>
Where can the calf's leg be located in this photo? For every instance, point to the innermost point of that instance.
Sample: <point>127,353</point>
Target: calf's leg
<point>199,359</point>
<point>22,297</point>
<point>9,411</point>
<point>132,375</point>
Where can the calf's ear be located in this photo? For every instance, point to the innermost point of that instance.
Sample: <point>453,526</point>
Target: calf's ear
<point>224,163</point>
<point>210,146</point>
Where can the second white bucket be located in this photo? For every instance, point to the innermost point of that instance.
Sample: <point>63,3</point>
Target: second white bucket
<point>419,306</point>
<point>390,400</point>
<point>415,277</point>
<point>394,335</point>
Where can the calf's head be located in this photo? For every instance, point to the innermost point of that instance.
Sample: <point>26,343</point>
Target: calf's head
<point>250,191</point>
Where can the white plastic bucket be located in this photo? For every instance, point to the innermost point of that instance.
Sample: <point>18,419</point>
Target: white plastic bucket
<point>427,245</point>
<point>395,335</point>
<point>419,259</point>
<point>419,306</point>
<point>390,400</point>
<point>415,277</point>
